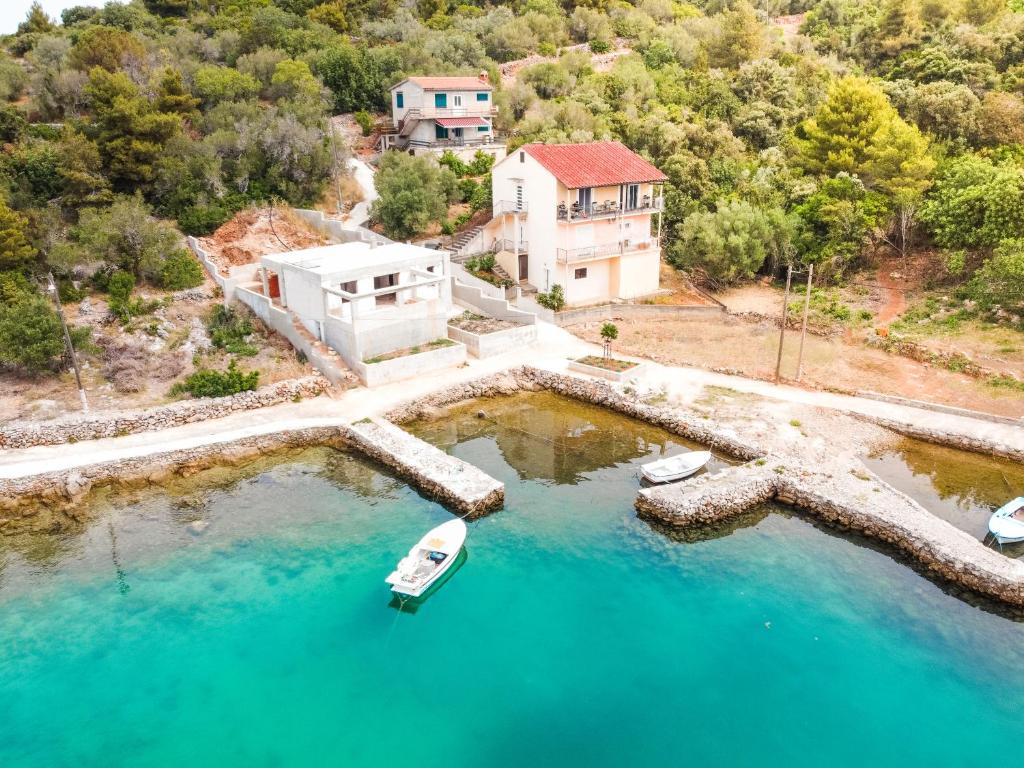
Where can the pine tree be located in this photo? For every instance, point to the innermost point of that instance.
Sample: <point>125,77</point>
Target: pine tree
<point>16,252</point>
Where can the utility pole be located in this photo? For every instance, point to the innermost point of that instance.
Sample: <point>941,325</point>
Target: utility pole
<point>52,288</point>
<point>782,329</point>
<point>803,330</point>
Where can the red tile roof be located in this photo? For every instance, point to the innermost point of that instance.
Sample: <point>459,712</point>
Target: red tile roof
<point>449,83</point>
<point>461,122</point>
<point>595,164</point>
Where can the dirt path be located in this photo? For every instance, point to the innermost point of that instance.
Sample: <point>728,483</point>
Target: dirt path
<point>894,293</point>
<point>601,62</point>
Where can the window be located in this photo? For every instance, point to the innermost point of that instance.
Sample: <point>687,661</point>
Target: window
<point>399,99</point>
<point>584,197</point>
<point>483,128</point>
<point>350,287</point>
<point>457,100</point>
<point>440,132</point>
<point>483,96</point>
<point>522,157</point>
<point>385,281</point>
<point>580,274</point>
<point>440,100</point>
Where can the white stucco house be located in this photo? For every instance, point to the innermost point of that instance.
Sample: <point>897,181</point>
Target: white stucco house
<point>363,301</point>
<point>434,114</point>
<point>583,216</point>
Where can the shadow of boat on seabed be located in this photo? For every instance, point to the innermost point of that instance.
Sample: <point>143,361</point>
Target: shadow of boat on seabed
<point>413,604</point>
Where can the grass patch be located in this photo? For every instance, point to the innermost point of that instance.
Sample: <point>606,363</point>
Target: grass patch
<point>1006,382</point>
<point>430,347</point>
<point>794,422</point>
<point>607,363</point>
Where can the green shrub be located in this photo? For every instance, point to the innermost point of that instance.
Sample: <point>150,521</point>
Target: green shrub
<point>447,227</point>
<point>486,262</point>
<point>599,46</point>
<point>200,220</point>
<point>179,271</point>
<point>553,299</point>
<point>209,383</point>
<point>229,330</point>
<point>365,121</point>
<point>30,333</point>
<point>68,293</point>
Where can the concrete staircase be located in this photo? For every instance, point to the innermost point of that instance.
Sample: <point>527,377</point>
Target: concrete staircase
<point>322,357</point>
<point>461,240</point>
<point>501,273</point>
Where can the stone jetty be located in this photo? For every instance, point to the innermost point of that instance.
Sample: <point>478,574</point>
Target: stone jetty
<point>448,479</point>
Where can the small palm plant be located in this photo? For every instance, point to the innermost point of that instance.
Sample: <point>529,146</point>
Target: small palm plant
<point>609,332</point>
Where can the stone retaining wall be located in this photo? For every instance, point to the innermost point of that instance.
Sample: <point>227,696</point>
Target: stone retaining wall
<point>585,390</point>
<point>99,425</point>
<point>53,499</point>
<point>949,439</point>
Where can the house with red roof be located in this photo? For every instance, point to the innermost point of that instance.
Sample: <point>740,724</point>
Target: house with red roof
<point>583,216</point>
<point>434,114</point>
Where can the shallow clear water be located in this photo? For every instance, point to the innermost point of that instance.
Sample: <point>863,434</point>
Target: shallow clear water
<point>961,487</point>
<point>574,634</point>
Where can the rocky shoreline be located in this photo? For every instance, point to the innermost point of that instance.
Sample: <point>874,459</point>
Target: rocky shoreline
<point>841,493</point>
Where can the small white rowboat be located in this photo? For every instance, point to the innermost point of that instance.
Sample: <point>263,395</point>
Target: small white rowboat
<point>675,467</point>
<point>428,560</point>
<point>1007,522</point>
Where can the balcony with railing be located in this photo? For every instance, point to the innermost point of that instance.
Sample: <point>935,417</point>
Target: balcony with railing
<point>508,244</point>
<point>456,142</point>
<point>469,110</point>
<point>609,209</point>
<point>608,250</point>
<point>501,207</point>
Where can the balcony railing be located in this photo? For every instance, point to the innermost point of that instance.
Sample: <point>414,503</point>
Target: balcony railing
<point>456,142</point>
<point>575,255</point>
<point>432,113</point>
<point>507,244</point>
<point>609,209</point>
<point>501,207</point>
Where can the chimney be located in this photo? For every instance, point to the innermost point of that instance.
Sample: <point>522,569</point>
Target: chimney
<point>484,77</point>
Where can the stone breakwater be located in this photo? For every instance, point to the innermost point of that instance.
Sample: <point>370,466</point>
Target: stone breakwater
<point>448,479</point>
<point>100,425</point>
<point>848,497</point>
<point>52,500</point>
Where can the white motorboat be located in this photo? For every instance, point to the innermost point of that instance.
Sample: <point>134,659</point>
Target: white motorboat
<point>1007,522</point>
<point>675,467</point>
<point>429,559</point>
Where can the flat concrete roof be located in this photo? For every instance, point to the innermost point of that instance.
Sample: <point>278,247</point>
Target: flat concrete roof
<point>356,259</point>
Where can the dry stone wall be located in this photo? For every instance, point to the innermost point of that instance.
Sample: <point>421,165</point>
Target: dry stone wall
<point>100,425</point>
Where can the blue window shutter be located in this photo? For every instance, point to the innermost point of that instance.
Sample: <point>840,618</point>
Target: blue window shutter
<point>440,100</point>
<point>482,96</point>
<point>439,132</point>
<point>400,99</point>
<point>484,128</point>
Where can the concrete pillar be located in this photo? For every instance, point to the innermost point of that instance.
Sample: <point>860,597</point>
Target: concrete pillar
<point>444,289</point>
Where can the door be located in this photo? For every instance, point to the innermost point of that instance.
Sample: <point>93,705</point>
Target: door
<point>632,197</point>
<point>585,198</point>
<point>524,267</point>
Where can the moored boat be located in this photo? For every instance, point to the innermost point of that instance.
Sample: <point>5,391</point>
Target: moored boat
<point>1007,522</point>
<point>675,467</point>
<point>429,559</point>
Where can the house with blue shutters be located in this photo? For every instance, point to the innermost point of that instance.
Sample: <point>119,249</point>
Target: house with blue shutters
<point>434,114</point>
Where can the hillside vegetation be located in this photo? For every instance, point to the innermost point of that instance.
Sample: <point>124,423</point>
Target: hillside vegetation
<point>880,126</point>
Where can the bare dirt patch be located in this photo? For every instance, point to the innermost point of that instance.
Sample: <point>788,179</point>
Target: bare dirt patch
<point>255,232</point>
<point>135,366</point>
<point>682,291</point>
<point>479,324</point>
<point>750,348</point>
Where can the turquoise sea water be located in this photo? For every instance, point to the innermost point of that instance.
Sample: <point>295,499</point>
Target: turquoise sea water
<point>573,635</point>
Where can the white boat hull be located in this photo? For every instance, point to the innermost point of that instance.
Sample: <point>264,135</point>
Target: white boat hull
<point>675,467</point>
<point>1007,522</point>
<point>421,569</point>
